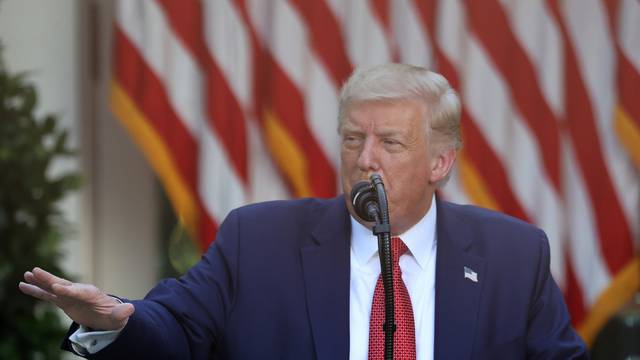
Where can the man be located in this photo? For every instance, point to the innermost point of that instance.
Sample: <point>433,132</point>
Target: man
<point>297,279</point>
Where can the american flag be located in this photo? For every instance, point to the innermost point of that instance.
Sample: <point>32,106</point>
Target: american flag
<point>235,101</point>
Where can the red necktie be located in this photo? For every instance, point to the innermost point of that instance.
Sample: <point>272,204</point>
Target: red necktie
<point>404,340</point>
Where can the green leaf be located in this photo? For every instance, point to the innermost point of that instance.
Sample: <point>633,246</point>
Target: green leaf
<point>31,225</point>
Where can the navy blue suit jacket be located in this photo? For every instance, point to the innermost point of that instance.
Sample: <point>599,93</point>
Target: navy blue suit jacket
<point>275,285</point>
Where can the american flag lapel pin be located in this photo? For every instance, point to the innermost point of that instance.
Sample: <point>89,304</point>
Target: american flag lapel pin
<point>470,274</point>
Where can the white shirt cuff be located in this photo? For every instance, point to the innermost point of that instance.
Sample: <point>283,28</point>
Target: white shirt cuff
<point>85,341</point>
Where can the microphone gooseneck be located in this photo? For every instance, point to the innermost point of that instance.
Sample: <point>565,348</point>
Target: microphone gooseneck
<point>369,201</point>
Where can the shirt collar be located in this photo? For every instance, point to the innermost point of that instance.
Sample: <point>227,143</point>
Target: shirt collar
<point>420,238</point>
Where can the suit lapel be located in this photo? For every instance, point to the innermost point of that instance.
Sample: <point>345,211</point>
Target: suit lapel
<point>326,267</point>
<point>457,295</point>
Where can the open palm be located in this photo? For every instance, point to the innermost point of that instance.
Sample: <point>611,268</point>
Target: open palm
<point>85,304</point>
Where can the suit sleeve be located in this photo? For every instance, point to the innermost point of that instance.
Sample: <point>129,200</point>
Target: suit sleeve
<point>549,331</point>
<point>184,318</point>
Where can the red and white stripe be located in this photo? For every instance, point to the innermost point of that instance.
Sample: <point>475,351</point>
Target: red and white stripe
<point>235,87</point>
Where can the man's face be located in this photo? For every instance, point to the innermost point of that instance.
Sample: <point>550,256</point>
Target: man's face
<point>390,138</point>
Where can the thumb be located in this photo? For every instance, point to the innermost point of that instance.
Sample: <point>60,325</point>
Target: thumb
<point>121,313</point>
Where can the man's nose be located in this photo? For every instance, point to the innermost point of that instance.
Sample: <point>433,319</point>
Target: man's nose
<point>368,159</point>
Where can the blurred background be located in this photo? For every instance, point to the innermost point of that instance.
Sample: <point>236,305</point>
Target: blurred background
<point>179,111</point>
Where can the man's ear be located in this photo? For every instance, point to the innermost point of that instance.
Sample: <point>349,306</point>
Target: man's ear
<point>441,164</point>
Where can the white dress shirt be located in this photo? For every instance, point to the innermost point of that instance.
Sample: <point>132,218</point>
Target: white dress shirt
<point>418,267</point>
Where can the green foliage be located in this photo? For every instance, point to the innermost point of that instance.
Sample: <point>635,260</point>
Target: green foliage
<point>182,252</point>
<point>30,222</point>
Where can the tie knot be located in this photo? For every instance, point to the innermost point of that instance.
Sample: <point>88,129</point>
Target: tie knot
<point>398,247</point>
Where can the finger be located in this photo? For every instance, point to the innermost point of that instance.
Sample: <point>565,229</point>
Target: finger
<point>48,278</point>
<point>121,313</point>
<point>64,290</point>
<point>35,287</point>
<point>76,291</point>
<point>84,295</point>
<point>30,278</point>
<point>36,292</point>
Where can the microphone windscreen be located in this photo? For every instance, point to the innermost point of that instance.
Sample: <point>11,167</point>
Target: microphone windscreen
<point>362,194</point>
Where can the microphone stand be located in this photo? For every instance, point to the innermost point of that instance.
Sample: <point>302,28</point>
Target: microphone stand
<point>382,230</point>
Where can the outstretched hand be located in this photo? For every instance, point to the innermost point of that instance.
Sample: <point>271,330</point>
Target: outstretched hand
<point>83,303</point>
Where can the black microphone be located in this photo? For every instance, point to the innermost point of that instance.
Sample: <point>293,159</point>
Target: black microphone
<point>365,201</point>
<point>369,200</point>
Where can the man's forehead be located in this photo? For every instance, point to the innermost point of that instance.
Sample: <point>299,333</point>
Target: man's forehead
<point>381,128</point>
<point>410,101</point>
<point>384,116</point>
